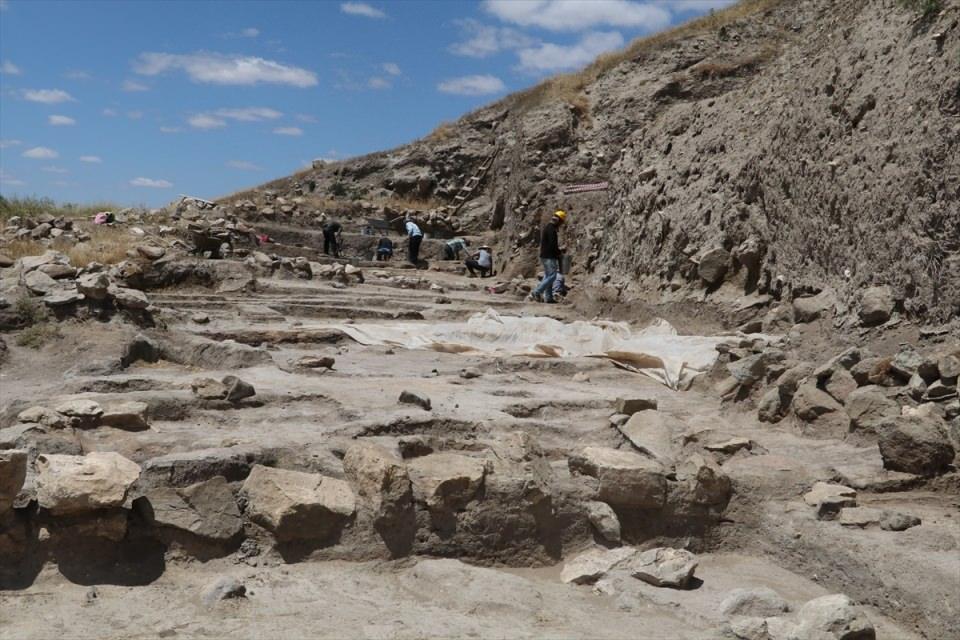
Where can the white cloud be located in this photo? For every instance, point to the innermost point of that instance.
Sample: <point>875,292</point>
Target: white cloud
<point>680,6</point>
<point>9,69</point>
<point>485,40</point>
<point>150,182</point>
<point>170,129</point>
<point>60,121</point>
<point>250,32</point>
<point>110,113</point>
<point>47,96</point>
<point>306,117</point>
<point>52,169</point>
<point>40,153</point>
<point>377,82</point>
<point>134,115</point>
<point>77,74</point>
<point>392,68</point>
<point>91,159</point>
<point>249,114</point>
<point>7,180</point>
<point>215,68</point>
<point>4,5</point>
<point>579,15</point>
<point>361,9</point>
<point>547,57</point>
<point>9,143</point>
<point>288,131</point>
<point>206,121</point>
<point>133,85</point>
<point>243,165</point>
<point>472,85</point>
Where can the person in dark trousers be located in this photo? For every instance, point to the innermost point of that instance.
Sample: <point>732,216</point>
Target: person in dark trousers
<point>416,237</point>
<point>384,249</point>
<point>549,257</point>
<point>482,261</point>
<point>332,235</point>
<point>452,249</point>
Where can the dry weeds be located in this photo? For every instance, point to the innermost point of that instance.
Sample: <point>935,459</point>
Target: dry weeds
<point>107,245</point>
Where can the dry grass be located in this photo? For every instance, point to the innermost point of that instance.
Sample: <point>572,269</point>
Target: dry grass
<point>107,245</point>
<point>711,69</point>
<point>32,206</point>
<point>569,87</point>
<point>444,131</point>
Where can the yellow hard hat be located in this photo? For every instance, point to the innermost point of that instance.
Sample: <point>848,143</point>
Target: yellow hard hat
<point>560,214</point>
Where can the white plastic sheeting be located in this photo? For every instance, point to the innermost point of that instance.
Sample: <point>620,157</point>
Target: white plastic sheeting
<point>657,350</point>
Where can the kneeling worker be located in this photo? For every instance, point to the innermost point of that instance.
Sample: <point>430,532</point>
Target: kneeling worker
<point>482,261</point>
<point>452,249</point>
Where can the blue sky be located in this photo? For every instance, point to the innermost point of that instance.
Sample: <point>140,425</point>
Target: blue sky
<point>136,102</point>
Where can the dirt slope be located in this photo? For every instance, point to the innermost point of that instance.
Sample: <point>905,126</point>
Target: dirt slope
<point>825,134</point>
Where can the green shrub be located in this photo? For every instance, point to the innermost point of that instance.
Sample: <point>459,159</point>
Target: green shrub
<point>31,310</point>
<point>38,335</point>
<point>923,7</point>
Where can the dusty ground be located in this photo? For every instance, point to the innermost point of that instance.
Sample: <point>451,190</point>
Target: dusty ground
<point>908,581</point>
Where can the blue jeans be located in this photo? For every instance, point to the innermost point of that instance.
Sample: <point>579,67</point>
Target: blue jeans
<point>550,268</point>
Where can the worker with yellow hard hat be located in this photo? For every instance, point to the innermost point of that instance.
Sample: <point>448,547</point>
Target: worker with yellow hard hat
<point>549,257</point>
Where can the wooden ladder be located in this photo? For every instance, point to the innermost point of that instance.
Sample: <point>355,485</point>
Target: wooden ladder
<point>471,185</point>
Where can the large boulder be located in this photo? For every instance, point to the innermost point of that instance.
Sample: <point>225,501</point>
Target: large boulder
<point>94,285</point>
<point>713,265</point>
<point>126,415</point>
<point>665,567</point>
<point>876,305</point>
<point>626,479</point>
<point>840,385</point>
<point>40,283</point>
<point>832,617</point>
<point>651,433</point>
<point>809,402</point>
<point>296,505</point>
<point>593,564</point>
<point>705,480</point>
<point>381,479</point>
<point>604,520</point>
<point>815,307</point>
<point>207,509</point>
<point>915,444</point>
<point>869,408</point>
<point>446,481</point>
<point>13,472</point>
<point>68,485</point>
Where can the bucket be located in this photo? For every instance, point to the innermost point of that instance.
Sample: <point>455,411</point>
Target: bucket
<point>566,262</point>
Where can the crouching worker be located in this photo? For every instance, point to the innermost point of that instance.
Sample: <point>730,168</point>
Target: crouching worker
<point>452,249</point>
<point>384,249</point>
<point>482,261</point>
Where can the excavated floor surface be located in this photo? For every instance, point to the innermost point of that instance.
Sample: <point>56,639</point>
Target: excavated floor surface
<point>768,537</point>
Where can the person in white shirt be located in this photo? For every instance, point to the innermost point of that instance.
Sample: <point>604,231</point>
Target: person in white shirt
<point>482,262</point>
<point>416,237</point>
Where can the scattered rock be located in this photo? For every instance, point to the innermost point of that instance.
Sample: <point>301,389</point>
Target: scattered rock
<point>591,565</point>
<point>832,617</point>
<point>730,446</point>
<point>209,389</point>
<point>316,362</point>
<point>665,567</point>
<point>44,416</point>
<point>809,403</point>
<point>223,588</point>
<point>469,374</point>
<point>77,484</point>
<point>151,252</point>
<point>381,479</point>
<point>83,412</point>
<point>760,602</point>
<point>860,517</point>
<point>237,389</point>
<point>626,478</point>
<point>840,385</point>
<point>408,397</point>
<point>876,305</point>
<point>296,505</point>
<point>40,283</point>
<point>126,415</point>
<point>651,433</point>
<point>915,445</point>
<point>706,481</point>
<point>894,521</point>
<point>200,318</point>
<point>604,520</point>
<point>813,307</point>
<point>128,298</point>
<point>630,406</point>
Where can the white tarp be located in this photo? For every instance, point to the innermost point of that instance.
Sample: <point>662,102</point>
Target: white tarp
<point>656,350</point>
